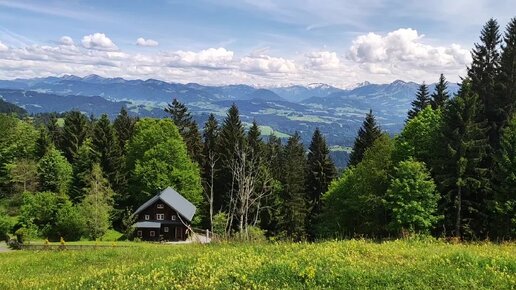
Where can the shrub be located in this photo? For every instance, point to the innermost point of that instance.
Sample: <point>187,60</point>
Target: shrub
<point>5,227</point>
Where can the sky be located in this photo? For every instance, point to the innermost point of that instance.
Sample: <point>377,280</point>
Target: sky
<point>256,42</point>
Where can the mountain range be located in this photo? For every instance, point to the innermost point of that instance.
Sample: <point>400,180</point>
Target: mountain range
<point>280,110</point>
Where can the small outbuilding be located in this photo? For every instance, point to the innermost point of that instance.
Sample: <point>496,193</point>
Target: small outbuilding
<point>164,217</point>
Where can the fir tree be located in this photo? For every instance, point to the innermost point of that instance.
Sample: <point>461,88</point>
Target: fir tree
<point>460,168</point>
<point>210,167</point>
<point>507,77</point>
<point>320,170</point>
<point>367,134</point>
<point>269,216</point>
<point>294,203</point>
<point>107,152</point>
<point>422,100</point>
<point>43,143</point>
<point>440,95</point>
<point>81,171</point>
<point>484,73</point>
<point>54,131</point>
<point>254,143</point>
<point>188,129</point>
<point>124,127</point>
<point>75,131</point>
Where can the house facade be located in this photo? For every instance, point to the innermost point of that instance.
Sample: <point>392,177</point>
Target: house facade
<point>164,217</point>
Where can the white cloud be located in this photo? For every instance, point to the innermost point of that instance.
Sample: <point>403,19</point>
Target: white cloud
<point>263,64</point>
<point>323,60</point>
<point>210,58</point>
<point>405,45</point>
<point>146,42</point>
<point>98,41</point>
<point>3,47</point>
<point>66,40</point>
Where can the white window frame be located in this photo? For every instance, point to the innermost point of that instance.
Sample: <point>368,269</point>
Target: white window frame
<point>165,229</point>
<point>152,234</point>
<point>147,217</point>
<point>160,216</point>
<point>173,217</point>
<point>160,205</point>
<point>139,233</point>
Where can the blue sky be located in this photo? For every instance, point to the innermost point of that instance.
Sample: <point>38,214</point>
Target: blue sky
<point>261,42</point>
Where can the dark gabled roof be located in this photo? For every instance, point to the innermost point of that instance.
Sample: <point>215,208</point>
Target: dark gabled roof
<point>173,199</point>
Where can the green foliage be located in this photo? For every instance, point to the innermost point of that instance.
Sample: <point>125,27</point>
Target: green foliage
<point>54,172</point>
<point>69,223</point>
<point>422,101</point>
<point>418,139</point>
<point>219,224</point>
<point>74,133</point>
<point>124,127</point>
<point>97,205</point>
<point>107,152</point>
<point>354,203</point>
<point>22,175</point>
<point>5,226</point>
<point>412,198</point>
<point>157,158</point>
<point>504,202</point>
<point>366,136</point>
<point>8,108</point>
<point>293,210</point>
<point>81,171</point>
<point>440,96</point>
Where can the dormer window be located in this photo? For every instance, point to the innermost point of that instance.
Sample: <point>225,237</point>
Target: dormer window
<point>147,217</point>
<point>173,217</point>
<point>160,216</point>
<point>160,205</point>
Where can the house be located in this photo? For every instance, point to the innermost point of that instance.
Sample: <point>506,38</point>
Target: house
<point>166,216</point>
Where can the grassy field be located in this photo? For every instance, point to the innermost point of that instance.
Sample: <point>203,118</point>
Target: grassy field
<point>342,265</point>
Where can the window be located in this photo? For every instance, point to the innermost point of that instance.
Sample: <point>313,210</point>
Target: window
<point>147,217</point>
<point>139,233</point>
<point>160,205</point>
<point>165,229</point>
<point>152,233</point>
<point>173,217</point>
<point>160,216</point>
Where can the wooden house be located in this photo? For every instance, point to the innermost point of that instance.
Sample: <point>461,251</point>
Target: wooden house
<point>164,217</point>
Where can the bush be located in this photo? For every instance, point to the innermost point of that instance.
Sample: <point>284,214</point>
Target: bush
<point>5,227</point>
<point>69,223</point>
<point>219,224</point>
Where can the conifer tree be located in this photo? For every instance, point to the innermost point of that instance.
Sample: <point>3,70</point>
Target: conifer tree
<point>422,100</point>
<point>210,167</point>
<point>54,131</point>
<point>440,95</point>
<point>124,128</point>
<point>273,155</point>
<point>43,143</point>
<point>484,73</point>
<point>107,152</point>
<point>231,141</point>
<point>187,128</point>
<point>320,170</point>
<point>367,134</point>
<point>75,131</point>
<point>461,173</point>
<point>81,171</point>
<point>254,143</point>
<point>294,203</point>
<point>507,77</point>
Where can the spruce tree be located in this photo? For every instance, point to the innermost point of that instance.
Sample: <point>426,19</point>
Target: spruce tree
<point>440,95</point>
<point>254,143</point>
<point>54,131</point>
<point>507,77</point>
<point>210,168</point>
<point>187,128</point>
<point>81,171</point>
<point>124,128</point>
<point>75,131</point>
<point>231,141</point>
<point>422,100</point>
<point>107,152</point>
<point>320,170</point>
<point>460,168</point>
<point>270,214</point>
<point>43,143</point>
<point>484,73</point>
<point>367,134</point>
<point>294,204</point>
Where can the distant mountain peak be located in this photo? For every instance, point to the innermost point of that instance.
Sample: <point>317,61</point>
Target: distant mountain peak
<point>318,86</point>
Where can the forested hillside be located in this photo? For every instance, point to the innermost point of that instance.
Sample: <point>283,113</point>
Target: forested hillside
<point>450,172</point>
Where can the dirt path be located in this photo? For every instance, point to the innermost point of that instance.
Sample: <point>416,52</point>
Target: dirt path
<point>4,248</point>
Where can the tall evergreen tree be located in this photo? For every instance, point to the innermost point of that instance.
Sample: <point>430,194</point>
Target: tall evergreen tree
<point>124,128</point>
<point>440,95</point>
<point>294,203</point>
<point>484,73</point>
<point>231,141</point>
<point>107,152</point>
<point>81,171</point>
<point>507,77</point>
<point>188,129</point>
<point>255,143</point>
<point>461,174</point>
<point>75,131</point>
<point>54,131</point>
<point>422,100</point>
<point>367,134</point>
<point>320,171</point>
<point>43,143</point>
